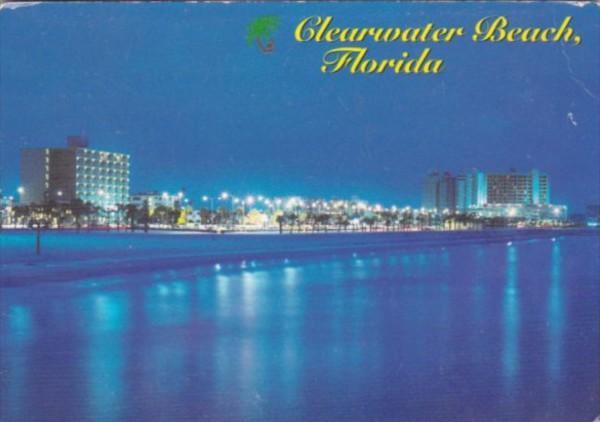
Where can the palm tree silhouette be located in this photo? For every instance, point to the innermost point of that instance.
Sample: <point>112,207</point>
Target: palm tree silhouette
<point>261,30</point>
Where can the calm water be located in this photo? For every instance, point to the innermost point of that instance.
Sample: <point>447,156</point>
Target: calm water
<point>491,332</point>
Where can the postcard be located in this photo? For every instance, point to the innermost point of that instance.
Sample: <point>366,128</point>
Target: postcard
<point>300,211</point>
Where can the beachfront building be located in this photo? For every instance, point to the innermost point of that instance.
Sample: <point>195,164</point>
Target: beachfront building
<point>439,192</point>
<point>156,199</point>
<point>76,171</point>
<point>532,188</point>
<point>431,188</point>
<point>518,195</point>
<point>520,211</point>
<point>511,194</point>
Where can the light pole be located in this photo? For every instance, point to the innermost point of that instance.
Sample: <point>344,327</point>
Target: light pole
<point>208,198</point>
<point>224,196</point>
<point>249,201</point>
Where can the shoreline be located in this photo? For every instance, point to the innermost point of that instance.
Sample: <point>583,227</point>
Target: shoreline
<point>275,231</point>
<point>124,256</point>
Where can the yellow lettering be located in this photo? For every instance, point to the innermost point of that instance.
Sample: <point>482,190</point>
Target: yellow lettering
<point>490,31</point>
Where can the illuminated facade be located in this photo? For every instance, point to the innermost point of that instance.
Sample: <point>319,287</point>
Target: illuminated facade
<point>439,192</point>
<point>155,199</point>
<point>527,212</point>
<point>430,198</point>
<point>63,174</point>
<point>531,188</point>
<point>512,194</point>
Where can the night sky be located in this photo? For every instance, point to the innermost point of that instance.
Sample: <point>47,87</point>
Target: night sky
<point>178,87</point>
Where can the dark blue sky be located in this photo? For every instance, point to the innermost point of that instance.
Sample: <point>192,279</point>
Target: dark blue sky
<point>178,87</point>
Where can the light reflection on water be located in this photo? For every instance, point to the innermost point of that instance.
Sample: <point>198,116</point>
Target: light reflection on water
<point>476,332</point>
<point>556,316</point>
<point>511,317</point>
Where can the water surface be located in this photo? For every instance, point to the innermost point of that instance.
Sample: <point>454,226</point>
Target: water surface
<point>482,332</point>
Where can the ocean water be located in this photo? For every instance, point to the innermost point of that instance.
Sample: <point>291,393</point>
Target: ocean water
<point>474,332</point>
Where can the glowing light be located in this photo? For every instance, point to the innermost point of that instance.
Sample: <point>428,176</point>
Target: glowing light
<point>224,195</point>
<point>20,190</point>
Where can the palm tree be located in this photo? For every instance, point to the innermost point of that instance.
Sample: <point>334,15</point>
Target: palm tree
<point>292,219</point>
<point>160,214</point>
<point>407,219</point>
<point>131,213</point>
<point>388,219</point>
<point>261,29</point>
<point>369,221</point>
<point>145,215</point>
<point>222,216</point>
<point>341,220</point>
<point>280,221</point>
<point>323,220</point>
<point>121,210</point>
<point>78,209</point>
<point>206,215</point>
<point>174,214</point>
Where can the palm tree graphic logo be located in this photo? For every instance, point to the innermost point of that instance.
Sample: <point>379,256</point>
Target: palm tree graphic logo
<point>261,31</point>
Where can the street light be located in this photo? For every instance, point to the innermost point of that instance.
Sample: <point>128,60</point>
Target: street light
<point>20,190</point>
<point>206,198</point>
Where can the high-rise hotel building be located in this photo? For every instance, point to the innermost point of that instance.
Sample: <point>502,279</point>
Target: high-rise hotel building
<point>510,194</point>
<point>440,191</point>
<point>63,174</point>
<point>531,188</point>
